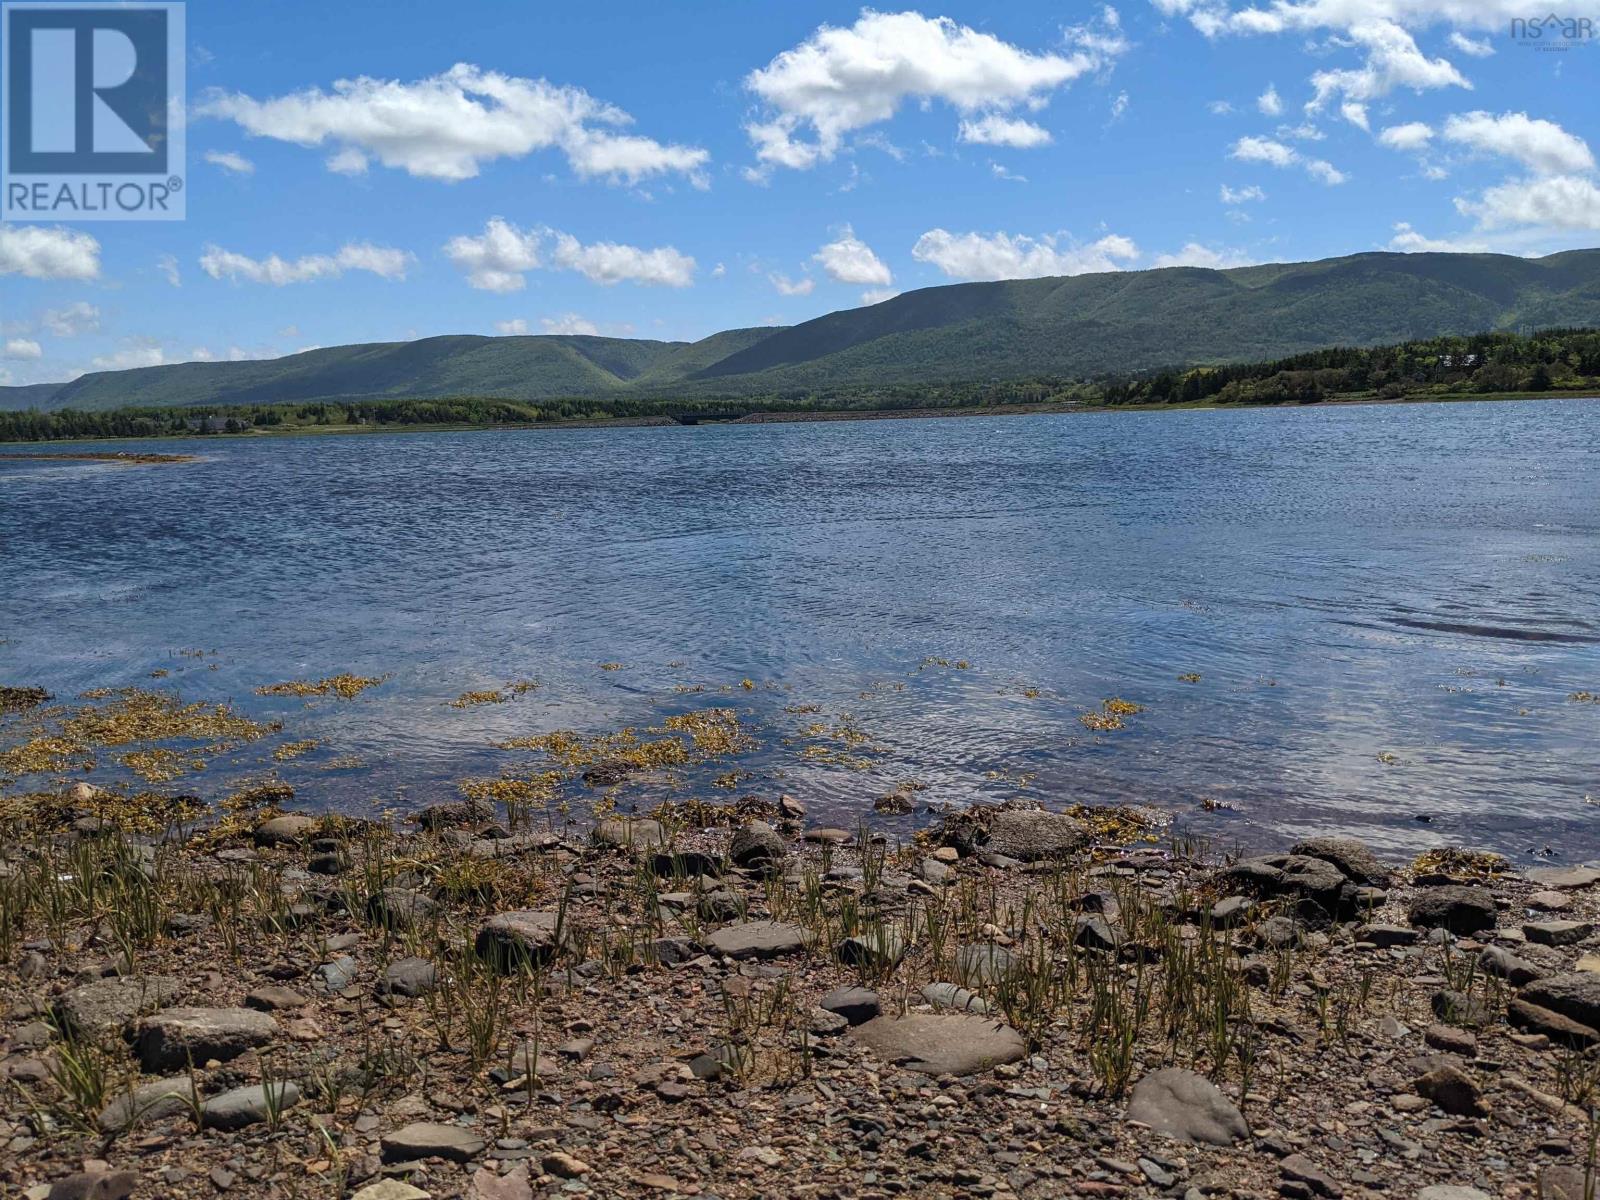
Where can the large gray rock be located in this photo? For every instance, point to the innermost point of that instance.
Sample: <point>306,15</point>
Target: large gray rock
<point>1496,960</point>
<point>757,846</point>
<point>1314,881</point>
<point>1188,1107</point>
<point>941,1043</point>
<point>94,1185</point>
<point>856,1005</point>
<point>152,1101</point>
<point>106,1006</point>
<point>1563,1030</point>
<point>400,908</point>
<point>1031,835</point>
<point>1352,858</point>
<point>176,1036</point>
<point>249,1105</point>
<point>288,830</point>
<point>409,977</point>
<point>1557,933</point>
<point>759,939</point>
<point>984,963</point>
<point>1575,994</point>
<point>423,1139</point>
<point>883,948</point>
<point>1454,907</point>
<point>1565,878</point>
<point>526,936</point>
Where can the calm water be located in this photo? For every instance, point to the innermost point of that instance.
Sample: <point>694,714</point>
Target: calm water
<point>1388,608</point>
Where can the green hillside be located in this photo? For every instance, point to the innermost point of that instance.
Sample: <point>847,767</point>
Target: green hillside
<point>1081,326</point>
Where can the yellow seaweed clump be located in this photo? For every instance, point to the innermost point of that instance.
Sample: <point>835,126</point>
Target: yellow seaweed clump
<point>345,686</point>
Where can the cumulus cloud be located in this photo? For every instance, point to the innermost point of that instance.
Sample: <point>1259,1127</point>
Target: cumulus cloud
<point>515,326</point>
<point>997,130</point>
<point>1393,60</point>
<point>498,259</point>
<point>840,80</point>
<point>22,349</point>
<point>1557,202</point>
<point>236,164</point>
<point>167,264</point>
<point>569,323</point>
<point>1196,255</point>
<point>1269,103</point>
<point>847,259</point>
<point>1412,136</point>
<point>1002,256</point>
<point>1541,146</point>
<point>77,317</point>
<point>1276,154</point>
<point>792,287</point>
<point>48,252</point>
<point>382,261</point>
<point>447,126</point>
<point>1473,47</point>
<point>136,354</point>
<point>1410,241</point>
<point>1242,195</point>
<point>878,295</point>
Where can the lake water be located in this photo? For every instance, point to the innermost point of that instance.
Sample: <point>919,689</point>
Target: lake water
<point>1388,608</point>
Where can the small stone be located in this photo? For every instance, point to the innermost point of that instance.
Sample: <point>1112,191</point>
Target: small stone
<point>1557,933</point>
<point>249,1105</point>
<point>1451,1040</point>
<point>177,1037</point>
<point>149,1102</point>
<point>1186,1106</point>
<point>391,1189</point>
<point>983,963</point>
<point>1453,1090</point>
<point>273,997</point>
<point>409,977</point>
<point>564,1165</point>
<point>1450,1191</point>
<point>1230,910</point>
<point>1549,901</point>
<point>95,1185</point>
<point>1302,1170</point>
<point>1457,1008</point>
<point>1385,936</point>
<point>338,973</point>
<point>855,1004</point>
<point>882,948</point>
<point>1501,962</point>
<point>949,995</point>
<point>423,1139</point>
<point>400,908</point>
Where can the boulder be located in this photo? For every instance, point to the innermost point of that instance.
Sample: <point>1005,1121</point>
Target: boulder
<point>1188,1107</point>
<point>757,846</point>
<point>400,908</point>
<point>1319,885</point>
<point>105,1006</point>
<point>941,1043</point>
<point>175,1037</point>
<point>984,963</point>
<point>526,936</point>
<point>1354,860</point>
<point>759,939</point>
<point>423,1139</point>
<point>1453,1090</point>
<point>288,830</point>
<point>1575,994</point>
<point>1531,1018</point>
<point>1454,907</point>
<point>1030,835</point>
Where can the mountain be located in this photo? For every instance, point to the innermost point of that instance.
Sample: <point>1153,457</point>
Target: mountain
<point>1082,325</point>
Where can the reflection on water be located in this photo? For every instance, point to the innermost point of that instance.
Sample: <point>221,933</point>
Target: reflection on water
<point>1387,608</point>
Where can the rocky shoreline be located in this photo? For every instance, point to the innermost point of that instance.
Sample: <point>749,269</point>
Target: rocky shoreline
<point>1020,1003</point>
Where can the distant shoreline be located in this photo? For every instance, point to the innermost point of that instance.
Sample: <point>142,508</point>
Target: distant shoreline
<point>779,417</point>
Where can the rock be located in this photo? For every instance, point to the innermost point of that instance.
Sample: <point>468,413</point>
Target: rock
<point>1557,933</point>
<point>1230,910</point>
<point>1532,1018</point>
<point>882,948</point>
<point>1449,1191</point>
<point>510,847</point>
<point>564,1166</point>
<point>759,939</point>
<point>948,995</point>
<point>825,836</point>
<point>1550,901</point>
<point>286,831</point>
<point>1030,835</point>
<point>1351,857</point>
<point>685,864</point>
<point>409,977</point>
<point>721,905</point>
<point>1280,933</point>
<point>400,908</point>
<point>1451,1040</point>
<point>1302,1170</point>
<point>827,1024</point>
<point>1186,1106</point>
<point>669,951</point>
<point>1564,878</point>
<point>95,1185</point>
<point>632,832</point>
<point>338,974</point>
<point>941,1044</point>
<point>514,1185</point>
<point>1454,907</point>
<point>391,1189</point>
<point>791,808</point>
<point>931,870</point>
<point>523,936</point>
<point>1575,994</point>
<point>273,997</point>
<point>148,1102</point>
<point>1094,932</point>
<point>1502,963</point>
<point>856,1005</point>
<point>757,846</point>
<point>423,1139</point>
<point>1453,1090</point>
<point>106,1006</point>
<point>1457,1008</point>
<point>1317,883</point>
<point>1385,936</point>
<point>329,863</point>
<point>175,1037</point>
<point>249,1105</point>
<point>983,963</point>
<point>453,813</point>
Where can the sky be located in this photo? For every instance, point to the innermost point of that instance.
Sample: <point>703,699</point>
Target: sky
<point>368,172</point>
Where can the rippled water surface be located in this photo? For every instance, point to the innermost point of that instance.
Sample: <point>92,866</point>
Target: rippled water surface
<point>1389,609</point>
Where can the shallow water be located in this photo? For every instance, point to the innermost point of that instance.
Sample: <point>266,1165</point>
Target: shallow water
<point>1388,607</point>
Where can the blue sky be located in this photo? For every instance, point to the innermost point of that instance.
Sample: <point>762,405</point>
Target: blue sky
<point>375,172</point>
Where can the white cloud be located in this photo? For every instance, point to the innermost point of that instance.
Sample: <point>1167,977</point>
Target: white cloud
<point>1265,150</point>
<point>447,126</point>
<point>878,295</point>
<point>1219,108</point>
<point>1355,113</point>
<point>1242,195</point>
<point>77,317</point>
<point>1002,256</point>
<point>24,349</point>
<point>792,287</point>
<point>138,354</point>
<point>516,326</point>
<point>1542,146</point>
<point>1393,60</point>
<point>1119,105</point>
<point>1409,241</point>
<point>498,259</point>
<point>1001,172</point>
<point>236,164</point>
<point>1269,103</point>
<point>997,130</point>
<point>1412,136</point>
<point>840,80</point>
<point>569,323</point>
<point>381,261</point>
<point>1196,255</point>
<point>1564,202</point>
<point>48,252</point>
<point>1472,47</point>
<point>167,264</point>
<point>848,259</point>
